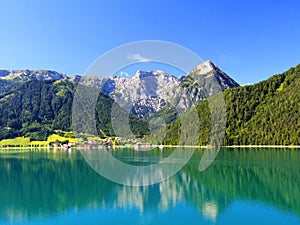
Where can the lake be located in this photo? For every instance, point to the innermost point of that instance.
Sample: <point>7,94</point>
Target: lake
<point>241,186</point>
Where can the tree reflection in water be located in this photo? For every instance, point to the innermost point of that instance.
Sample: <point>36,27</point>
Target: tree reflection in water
<point>45,183</point>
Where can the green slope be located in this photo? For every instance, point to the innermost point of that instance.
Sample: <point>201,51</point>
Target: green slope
<point>37,109</point>
<point>266,113</point>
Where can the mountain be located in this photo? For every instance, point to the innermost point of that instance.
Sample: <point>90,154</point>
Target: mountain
<point>266,113</point>
<point>143,95</point>
<point>36,103</point>
<point>210,73</point>
<point>145,92</point>
<point>148,92</point>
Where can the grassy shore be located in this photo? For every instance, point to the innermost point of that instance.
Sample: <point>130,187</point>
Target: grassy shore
<point>19,143</point>
<point>25,142</point>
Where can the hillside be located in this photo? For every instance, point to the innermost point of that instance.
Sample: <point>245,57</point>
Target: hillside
<point>266,113</point>
<point>38,108</point>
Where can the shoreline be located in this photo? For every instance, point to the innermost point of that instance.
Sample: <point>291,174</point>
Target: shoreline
<point>262,146</point>
<point>155,146</point>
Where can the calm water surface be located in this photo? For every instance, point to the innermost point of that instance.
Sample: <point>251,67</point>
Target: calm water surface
<point>242,186</point>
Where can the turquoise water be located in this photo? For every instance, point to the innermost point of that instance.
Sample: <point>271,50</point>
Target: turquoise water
<point>242,186</point>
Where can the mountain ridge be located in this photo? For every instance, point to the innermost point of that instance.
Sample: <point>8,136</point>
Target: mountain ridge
<point>147,92</point>
<point>42,103</point>
<point>32,75</point>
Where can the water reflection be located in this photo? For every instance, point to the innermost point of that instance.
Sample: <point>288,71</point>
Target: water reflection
<point>41,184</point>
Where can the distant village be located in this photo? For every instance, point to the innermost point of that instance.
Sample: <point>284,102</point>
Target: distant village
<point>109,142</point>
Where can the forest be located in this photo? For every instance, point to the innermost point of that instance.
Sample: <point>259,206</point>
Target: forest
<point>266,113</point>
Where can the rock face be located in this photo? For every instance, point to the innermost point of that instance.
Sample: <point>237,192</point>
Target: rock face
<point>204,81</point>
<point>148,92</point>
<point>208,68</point>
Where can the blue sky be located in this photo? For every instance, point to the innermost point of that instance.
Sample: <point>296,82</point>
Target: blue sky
<point>249,40</point>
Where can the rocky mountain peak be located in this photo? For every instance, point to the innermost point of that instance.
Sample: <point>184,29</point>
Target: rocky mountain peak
<point>206,67</point>
<point>31,75</point>
<point>209,70</point>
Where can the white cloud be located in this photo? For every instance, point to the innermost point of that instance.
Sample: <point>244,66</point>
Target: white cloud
<point>124,74</point>
<point>139,57</point>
